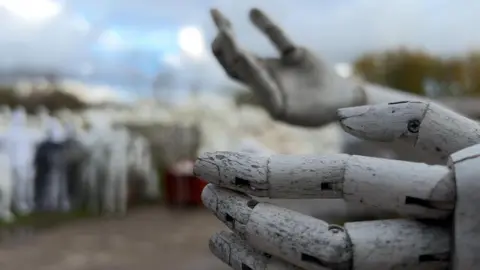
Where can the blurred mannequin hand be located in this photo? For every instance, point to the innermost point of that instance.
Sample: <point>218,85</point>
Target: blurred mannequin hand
<point>297,87</point>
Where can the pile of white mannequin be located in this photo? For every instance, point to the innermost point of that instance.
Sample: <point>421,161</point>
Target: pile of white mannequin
<point>225,126</point>
<point>37,154</point>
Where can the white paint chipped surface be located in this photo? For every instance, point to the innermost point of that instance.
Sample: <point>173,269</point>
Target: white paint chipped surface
<point>466,240</point>
<point>406,188</point>
<point>235,252</point>
<point>398,244</point>
<point>300,239</point>
<point>426,126</point>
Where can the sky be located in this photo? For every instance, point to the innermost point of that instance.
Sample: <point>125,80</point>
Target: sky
<point>112,39</point>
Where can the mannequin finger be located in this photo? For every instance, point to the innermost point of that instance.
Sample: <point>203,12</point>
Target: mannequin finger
<point>424,125</point>
<point>225,51</point>
<point>220,20</point>
<point>298,239</point>
<point>274,33</point>
<point>236,253</point>
<point>314,244</point>
<point>407,188</point>
<point>258,78</point>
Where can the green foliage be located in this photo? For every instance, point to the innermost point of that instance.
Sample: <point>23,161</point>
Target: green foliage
<point>415,71</point>
<point>400,69</point>
<point>473,73</point>
<point>45,220</point>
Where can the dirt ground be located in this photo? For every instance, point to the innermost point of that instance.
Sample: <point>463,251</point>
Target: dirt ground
<point>150,238</point>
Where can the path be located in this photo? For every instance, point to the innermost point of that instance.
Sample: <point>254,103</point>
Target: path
<point>147,239</point>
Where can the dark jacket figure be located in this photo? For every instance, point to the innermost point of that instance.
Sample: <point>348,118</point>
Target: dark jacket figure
<point>47,154</point>
<point>65,159</point>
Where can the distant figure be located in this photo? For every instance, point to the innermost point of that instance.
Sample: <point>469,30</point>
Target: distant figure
<point>141,164</point>
<point>75,155</point>
<point>19,146</point>
<point>94,169</point>
<point>5,113</point>
<point>107,168</point>
<point>116,186</point>
<point>50,179</point>
<point>6,185</point>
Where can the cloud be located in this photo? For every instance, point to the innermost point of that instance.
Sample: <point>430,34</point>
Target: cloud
<point>338,30</point>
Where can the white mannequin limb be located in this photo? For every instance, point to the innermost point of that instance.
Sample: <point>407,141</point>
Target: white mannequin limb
<point>465,164</point>
<point>233,250</point>
<point>289,86</point>
<point>386,244</point>
<point>413,122</point>
<point>310,243</point>
<point>314,244</point>
<point>406,188</point>
<point>297,88</point>
<point>423,131</point>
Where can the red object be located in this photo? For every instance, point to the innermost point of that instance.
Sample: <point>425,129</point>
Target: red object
<point>177,189</point>
<point>196,190</point>
<point>183,189</point>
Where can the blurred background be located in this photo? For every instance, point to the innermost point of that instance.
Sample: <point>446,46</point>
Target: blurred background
<point>146,65</point>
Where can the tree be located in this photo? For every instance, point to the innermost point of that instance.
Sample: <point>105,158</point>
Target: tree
<point>451,77</point>
<point>422,73</point>
<point>400,69</point>
<point>473,73</point>
<point>370,67</point>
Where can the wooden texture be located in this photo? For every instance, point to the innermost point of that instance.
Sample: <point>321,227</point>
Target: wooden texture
<point>398,244</point>
<point>466,227</point>
<point>406,188</point>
